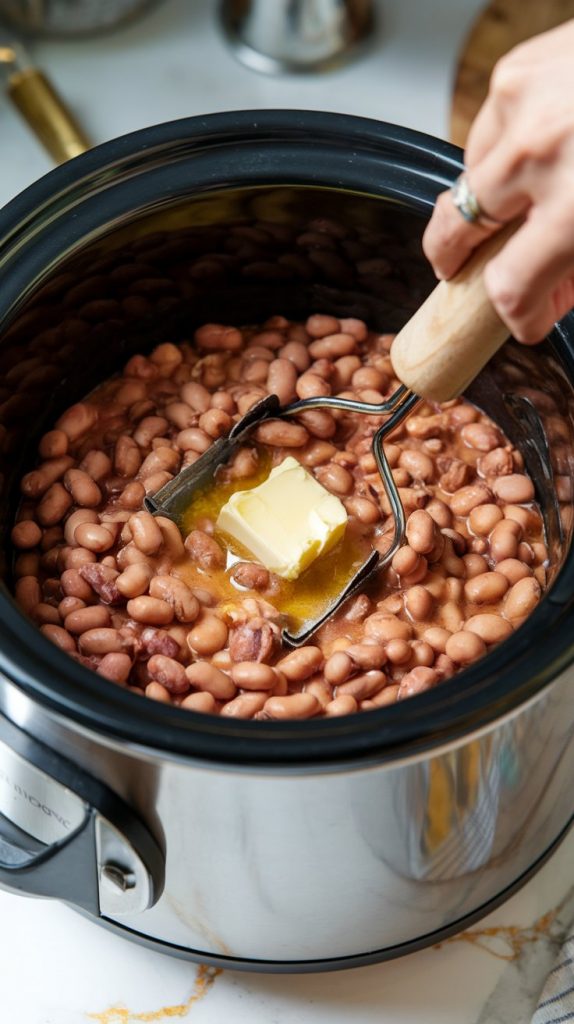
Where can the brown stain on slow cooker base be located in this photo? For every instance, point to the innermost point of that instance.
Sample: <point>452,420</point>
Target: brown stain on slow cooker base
<point>204,980</point>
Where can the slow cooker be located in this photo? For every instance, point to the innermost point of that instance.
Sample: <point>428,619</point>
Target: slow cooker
<point>283,846</point>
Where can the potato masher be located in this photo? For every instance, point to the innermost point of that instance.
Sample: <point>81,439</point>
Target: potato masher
<point>436,355</point>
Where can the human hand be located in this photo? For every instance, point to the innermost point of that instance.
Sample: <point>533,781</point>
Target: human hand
<point>519,160</point>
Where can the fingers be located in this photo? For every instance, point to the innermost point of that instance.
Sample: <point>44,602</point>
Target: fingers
<point>449,239</point>
<point>531,281</point>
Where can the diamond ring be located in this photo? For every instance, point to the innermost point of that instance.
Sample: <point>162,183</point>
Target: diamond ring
<point>468,205</point>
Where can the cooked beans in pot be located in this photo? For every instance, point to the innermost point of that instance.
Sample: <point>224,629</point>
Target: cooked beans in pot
<point>172,618</point>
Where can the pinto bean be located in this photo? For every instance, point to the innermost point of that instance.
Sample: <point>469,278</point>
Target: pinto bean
<point>497,463</point>
<point>465,646</point>
<point>253,675</point>
<point>281,380</point>
<point>250,575</point>
<point>363,686</point>
<point>177,594</point>
<point>115,666</point>
<point>95,537</point>
<point>296,705</point>
<point>215,423</point>
<point>203,676</point>
<point>169,673</point>
<point>333,346</point>
<point>201,701</point>
<point>208,635</point>
<point>245,705</point>
<point>145,532</point>
<point>311,385</point>
<point>418,680</point>
<point>301,663</point>
<point>467,498</point>
<point>35,484</point>
<point>53,505</point>
<point>514,569</point>
<point>77,420</point>
<point>319,423</point>
<point>335,478</point>
<point>83,489</point>
<point>91,617</point>
<point>489,627</point>
<point>196,396</point>
<point>522,598</point>
<point>338,667</point>
<point>483,519</point>
<point>319,325</point>
<point>420,532</point>
<point>383,628</point>
<point>363,509</point>
<point>217,337</point>
<point>59,636</point>
<point>418,603</point>
<point>152,611</point>
<point>486,588</point>
<point>204,550</point>
<point>101,640</point>
<point>515,488</point>
<point>26,534</point>
<point>53,444</point>
<point>282,434</point>
<point>173,546</point>
<point>503,541</point>
<point>155,691</point>
<point>127,456</point>
<point>297,353</point>
<point>480,436</point>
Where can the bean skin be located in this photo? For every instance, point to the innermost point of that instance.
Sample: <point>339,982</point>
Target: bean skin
<point>203,676</point>
<point>245,705</point>
<point>150,610</point>
<point>116,667</point>
<point>418,680</point>
<point>489,627</point>
<point>467,498</point>
<point>177,594</point>
<point>253,675</point>
<point>146,533</point>
<point>363,686</point>
<point>343,705</point>
<point>101,640</point>
<point>26,534</point>
<point>420,532</point>
<point>204,550</point>
<point>208,635</point>
<point>338,668</point>
<point>169,672</point>
<point>522,598</point>
<point>336,479</point>
<point>465,646</point>
<point>387,627</point>
<point>297,705</point>
<point>60,637</point>
<point>301,663</point>
<point>83,489</point>
<point>92,617</point>
<point>281,434</point>
<point>515,488</point>
<point>203,702</point>
<point>486,588</point>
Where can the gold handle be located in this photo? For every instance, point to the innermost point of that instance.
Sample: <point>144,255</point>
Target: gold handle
<point>46,113</point>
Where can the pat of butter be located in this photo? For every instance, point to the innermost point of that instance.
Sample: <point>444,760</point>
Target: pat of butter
<point>287,521</point>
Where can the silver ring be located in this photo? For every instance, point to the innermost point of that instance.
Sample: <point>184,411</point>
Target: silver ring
<point>468,205</point>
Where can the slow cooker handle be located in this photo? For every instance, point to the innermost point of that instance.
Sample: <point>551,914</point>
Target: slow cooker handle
<point>64,834</point>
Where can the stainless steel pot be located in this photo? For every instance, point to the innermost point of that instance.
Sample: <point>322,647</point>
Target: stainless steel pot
<point>270,846</point>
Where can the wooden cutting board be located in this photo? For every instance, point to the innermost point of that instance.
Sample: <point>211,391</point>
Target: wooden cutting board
<point>502,25</point>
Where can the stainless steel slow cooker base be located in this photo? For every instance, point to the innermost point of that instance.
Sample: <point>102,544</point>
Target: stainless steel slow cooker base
<point>267,845</point>
<point>342,963</point>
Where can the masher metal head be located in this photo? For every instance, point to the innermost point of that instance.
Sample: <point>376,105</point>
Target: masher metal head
<point>174,499</point>
<point>436,355</point>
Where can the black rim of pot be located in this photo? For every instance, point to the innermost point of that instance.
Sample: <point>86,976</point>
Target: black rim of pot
<point>497,685</point>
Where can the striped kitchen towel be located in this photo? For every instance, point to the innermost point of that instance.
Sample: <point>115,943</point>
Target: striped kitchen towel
<point>556,1005</point>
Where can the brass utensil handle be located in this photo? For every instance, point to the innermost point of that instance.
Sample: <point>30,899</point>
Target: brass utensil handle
<point>454,333</point>
<point>47,114</point>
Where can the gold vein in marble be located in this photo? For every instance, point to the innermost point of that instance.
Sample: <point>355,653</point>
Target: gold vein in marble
<point>512,936</point>
<point>204,979</point>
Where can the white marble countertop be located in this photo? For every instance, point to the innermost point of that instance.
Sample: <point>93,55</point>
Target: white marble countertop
<point>56,967</point>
